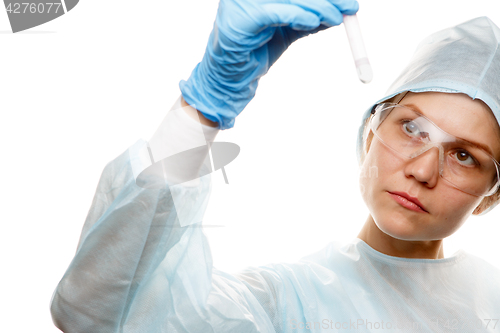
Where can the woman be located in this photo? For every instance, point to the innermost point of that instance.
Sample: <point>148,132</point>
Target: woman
<point>429,160</point>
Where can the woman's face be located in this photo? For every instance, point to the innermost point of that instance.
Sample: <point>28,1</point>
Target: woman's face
<point>384,172</point>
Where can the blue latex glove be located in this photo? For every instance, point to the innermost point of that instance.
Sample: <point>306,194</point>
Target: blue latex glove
<point>248,37</point>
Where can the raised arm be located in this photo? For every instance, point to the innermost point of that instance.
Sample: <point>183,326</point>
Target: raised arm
<point>131,245</point>
<point>143,263</point>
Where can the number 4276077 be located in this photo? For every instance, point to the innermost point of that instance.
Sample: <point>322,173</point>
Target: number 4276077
<point>33,8</point>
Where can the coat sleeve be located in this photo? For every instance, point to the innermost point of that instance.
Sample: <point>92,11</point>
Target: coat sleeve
<point>140,267</point>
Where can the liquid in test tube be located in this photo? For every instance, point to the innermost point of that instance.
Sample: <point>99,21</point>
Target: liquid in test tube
<point>363,67</point>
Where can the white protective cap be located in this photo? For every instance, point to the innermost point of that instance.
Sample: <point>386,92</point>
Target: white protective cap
<point>462,59</point>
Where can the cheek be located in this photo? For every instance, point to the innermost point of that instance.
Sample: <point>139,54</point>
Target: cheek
<point>454,204</point>
<point>379,170</point>
<point>451,210</point>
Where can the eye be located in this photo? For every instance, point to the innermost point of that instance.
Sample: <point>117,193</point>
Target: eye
<point>411,128</point>
<point>463,157</point>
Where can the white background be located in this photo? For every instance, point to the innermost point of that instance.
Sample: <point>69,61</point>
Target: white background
<point>76,92</point>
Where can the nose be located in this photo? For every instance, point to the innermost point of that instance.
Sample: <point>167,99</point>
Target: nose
<point>425,167</point>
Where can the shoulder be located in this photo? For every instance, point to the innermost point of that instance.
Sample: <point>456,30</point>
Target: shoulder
<point>306,270</point>
<point>482,267</point>
<point>483,277</point>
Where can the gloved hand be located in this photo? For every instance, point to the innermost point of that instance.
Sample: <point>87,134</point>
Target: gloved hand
<point>247,38</point>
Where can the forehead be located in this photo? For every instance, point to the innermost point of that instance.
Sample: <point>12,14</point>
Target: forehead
<point>459,115</point>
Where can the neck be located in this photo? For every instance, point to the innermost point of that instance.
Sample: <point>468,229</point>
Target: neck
<point>391,246</point>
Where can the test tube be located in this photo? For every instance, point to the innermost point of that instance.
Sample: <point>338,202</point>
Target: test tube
<point>353,32</point>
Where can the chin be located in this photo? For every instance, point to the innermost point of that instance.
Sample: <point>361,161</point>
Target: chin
<point>403,229</point>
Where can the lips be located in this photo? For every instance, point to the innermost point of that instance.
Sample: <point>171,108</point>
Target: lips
<point>410,201</point>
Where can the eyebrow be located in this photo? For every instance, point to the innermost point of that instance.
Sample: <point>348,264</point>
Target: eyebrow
<point>417,110</point>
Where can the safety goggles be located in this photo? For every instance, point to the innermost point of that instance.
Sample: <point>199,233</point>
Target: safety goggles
<point>463,164</point>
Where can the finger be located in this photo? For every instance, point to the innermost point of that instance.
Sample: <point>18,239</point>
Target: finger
<point>346,7</point>
<point>275,14</point>
<point>327,13</point>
